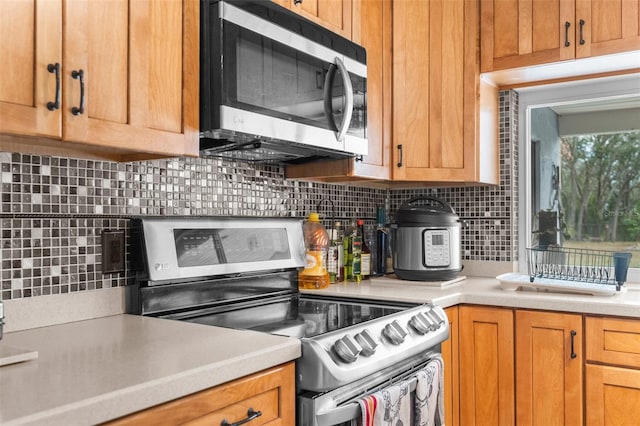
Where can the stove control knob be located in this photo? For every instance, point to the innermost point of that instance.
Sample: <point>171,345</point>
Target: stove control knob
<point>435,319</point>
<point>367,342</point>
<point>347,348</point>
<point>394,332</point>
<point>420,323</point>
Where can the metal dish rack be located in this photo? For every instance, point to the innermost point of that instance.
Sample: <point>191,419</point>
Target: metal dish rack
<point>571,264</point>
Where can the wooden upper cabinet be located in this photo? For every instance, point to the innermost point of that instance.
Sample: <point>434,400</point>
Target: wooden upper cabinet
<point>518,33</point>
<point>521,33</point>
<point>371,29</point>
<point>437,95</point>
<point>140,75</point>
<point>549,361</point>
<point>607,26</point>
<point>332,14</point>
<point>31,36</point>
<point>129,77</point>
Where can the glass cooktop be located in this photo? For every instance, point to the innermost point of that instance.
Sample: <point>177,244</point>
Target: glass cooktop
<point>300,317</point>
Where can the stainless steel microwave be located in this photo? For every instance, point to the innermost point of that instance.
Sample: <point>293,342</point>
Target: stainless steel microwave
<point>276,87</point>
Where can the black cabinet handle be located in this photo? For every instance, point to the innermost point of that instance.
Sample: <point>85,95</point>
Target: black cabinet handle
<point>581,28</point>
<point>567,24</point>
<point>573,352</point>
<point>79,75</point>
<point>359,158</point>
<point>399,155</point>
<point>251,415</point>
<point>297,2</point>
<point>55,69</point>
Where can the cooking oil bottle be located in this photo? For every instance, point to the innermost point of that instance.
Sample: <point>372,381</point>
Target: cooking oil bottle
<point>316,241</point>
<point>352,254</point>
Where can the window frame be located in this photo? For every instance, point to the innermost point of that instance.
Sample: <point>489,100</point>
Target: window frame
<point>552,95</point>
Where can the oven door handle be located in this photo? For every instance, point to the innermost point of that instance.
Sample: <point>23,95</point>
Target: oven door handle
<point>350,411</point>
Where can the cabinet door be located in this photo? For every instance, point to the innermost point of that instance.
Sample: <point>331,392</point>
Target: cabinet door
<point>519,33</point>
<point>549,363</point>
<point>451,379</point>
<point>612,396</point>
<point>332,14</point>
<point>435,91</point>
<point>607,26</point>
<point>140,72</point>
<point>486,366</point>
<point>30,31</point>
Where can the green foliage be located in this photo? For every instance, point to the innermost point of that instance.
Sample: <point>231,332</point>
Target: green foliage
<point>601,186</point>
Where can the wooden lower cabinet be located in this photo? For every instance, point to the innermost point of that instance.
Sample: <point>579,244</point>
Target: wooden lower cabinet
<point>486,366</point>
<point>612,390</point>
<point>549,362</point>
<point>612,396</point>
<point>530,367</point>
<point>450,355</point>
<point>271,392</point>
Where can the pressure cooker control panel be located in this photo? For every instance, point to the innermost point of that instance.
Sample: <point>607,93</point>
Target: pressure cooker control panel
<point>437,248</point>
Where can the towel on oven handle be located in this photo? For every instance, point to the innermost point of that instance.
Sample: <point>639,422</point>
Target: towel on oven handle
<point>390,406</point>
<point>429,395</point>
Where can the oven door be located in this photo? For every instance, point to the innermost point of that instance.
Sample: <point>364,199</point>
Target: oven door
<point>339,407</point>
<point>264,75</point>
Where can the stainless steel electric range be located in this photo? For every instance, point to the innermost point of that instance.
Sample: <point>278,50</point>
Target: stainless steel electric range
<point>242,273</point>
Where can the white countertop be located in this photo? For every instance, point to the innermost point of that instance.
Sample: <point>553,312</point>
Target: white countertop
<point>487,291</point>
<point>95,370</point>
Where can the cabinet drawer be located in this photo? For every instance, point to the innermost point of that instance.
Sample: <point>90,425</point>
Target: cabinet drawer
<point>272,392</point>
<point>266,403</point>
<point>613,341</point>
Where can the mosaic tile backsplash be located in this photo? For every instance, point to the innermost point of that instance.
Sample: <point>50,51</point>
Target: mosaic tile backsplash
<point>54,210</point>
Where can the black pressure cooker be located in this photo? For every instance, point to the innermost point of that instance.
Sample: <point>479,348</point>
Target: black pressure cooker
<point>426,241</point>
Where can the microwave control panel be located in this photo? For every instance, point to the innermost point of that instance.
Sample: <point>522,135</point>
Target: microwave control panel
<point>437,248</point>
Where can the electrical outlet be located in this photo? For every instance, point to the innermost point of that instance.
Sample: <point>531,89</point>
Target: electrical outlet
<point>112,251</point>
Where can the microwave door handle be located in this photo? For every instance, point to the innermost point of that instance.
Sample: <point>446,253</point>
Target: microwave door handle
<point>348,90</point>
<point>328,96</point>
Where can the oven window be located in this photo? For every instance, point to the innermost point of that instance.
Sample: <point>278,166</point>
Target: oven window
<point>203,247</point>
<point>267,77</point>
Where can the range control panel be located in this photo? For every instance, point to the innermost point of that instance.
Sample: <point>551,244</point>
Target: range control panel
<point>345,355</point>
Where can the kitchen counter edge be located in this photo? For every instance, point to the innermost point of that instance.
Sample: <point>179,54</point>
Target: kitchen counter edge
<point>111,367</point>
<point>487,291</point>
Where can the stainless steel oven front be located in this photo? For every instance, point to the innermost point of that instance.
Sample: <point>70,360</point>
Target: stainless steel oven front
<point>242,273</point>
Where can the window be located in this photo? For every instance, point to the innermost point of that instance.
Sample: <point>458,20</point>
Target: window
<point>580,167</point>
